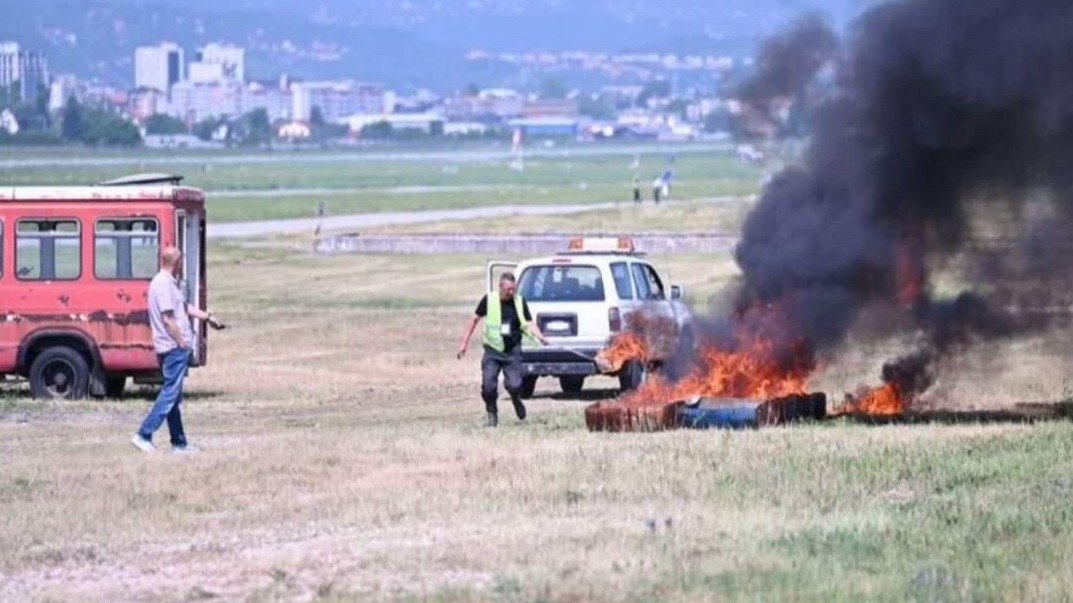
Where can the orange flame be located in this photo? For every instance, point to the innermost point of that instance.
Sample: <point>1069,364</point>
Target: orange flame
<point>624,347</point>
<point>645,338</point>
<point>745,373</point>
<point>752,370</point>
<point>883,401</point>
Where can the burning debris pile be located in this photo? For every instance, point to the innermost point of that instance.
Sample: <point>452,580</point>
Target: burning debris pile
<point>940,113</point>
<point>749,361</point>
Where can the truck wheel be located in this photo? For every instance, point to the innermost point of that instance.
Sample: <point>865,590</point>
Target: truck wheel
<point>571,384</point>
<point>528,386</point>
<point>59,373</point>
<point>114,386</point>
<point>631,376</point>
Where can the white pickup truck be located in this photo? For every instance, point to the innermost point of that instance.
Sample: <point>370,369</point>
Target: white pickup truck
<point>580,299</point>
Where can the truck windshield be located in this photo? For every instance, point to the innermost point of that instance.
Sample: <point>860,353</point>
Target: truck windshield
<point>554,283</point>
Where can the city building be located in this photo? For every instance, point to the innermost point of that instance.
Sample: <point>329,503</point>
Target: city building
<point>552,109</point>
<point>494,104</point>
<point>337,100</point>
<point>276,100</point>
<point>218,63</point>
<point>294,131</point>
<point>63,87</point>
<point>26,70</point>
<point>428,123</point>
<point>192,102</point>
<point>158,67</point>
<point>537,127</point>
<point>143,103</point>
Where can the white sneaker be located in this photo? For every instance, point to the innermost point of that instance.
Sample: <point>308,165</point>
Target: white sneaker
<point>142,444</point>
<point>188,449</point>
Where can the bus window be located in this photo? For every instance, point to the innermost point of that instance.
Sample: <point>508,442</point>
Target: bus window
<point>180,231</point>
<point>126,248</point>
<point>48,249</point>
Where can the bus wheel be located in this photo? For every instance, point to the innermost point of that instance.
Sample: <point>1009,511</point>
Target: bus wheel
<point>114,386</point>
<point>59,373</point>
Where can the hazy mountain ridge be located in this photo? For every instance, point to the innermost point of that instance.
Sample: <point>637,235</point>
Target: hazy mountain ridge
<point>396,41</point>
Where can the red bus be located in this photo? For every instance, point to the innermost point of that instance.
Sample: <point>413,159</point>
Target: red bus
<point>75,266</point>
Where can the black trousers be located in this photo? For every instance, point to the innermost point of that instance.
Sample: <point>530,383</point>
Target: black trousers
<point>510,363</point>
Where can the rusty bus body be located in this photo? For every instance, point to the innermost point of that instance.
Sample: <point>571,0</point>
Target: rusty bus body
<point>75,266</point>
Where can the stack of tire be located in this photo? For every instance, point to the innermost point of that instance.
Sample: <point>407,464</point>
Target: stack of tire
<point>705,413</point>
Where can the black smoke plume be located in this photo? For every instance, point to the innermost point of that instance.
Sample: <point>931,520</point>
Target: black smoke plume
<point>786,66</point>
<point>788,62</point>
<point>942,110</point>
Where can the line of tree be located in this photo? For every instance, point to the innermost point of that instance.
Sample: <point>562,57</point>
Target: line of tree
<point>96,126</point>
<point>74,124</point>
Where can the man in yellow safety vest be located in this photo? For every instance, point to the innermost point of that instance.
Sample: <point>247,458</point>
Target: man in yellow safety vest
<point>506,320</point>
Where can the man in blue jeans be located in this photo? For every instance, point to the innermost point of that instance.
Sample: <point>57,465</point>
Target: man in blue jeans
<point>173,340</point>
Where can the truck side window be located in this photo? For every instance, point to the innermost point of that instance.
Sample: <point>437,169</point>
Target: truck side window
<point>641,280</point>
<point>48,249</point>
<point>649,287</point>
<point>126,248</point>
<point>655,285</point>
<point>621,274</point>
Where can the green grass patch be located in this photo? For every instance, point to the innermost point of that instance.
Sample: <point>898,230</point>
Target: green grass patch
<point>351,183</point>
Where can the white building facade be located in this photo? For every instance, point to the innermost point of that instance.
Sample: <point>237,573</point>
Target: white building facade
<point>28,70</point>
<point>159,67</point>
<point>218,63</point>
<point>337,100</point>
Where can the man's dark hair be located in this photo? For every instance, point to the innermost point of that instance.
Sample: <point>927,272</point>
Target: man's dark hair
<point>506,276</point>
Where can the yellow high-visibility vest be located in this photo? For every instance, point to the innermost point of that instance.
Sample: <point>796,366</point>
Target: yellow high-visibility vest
<point>493,321</point>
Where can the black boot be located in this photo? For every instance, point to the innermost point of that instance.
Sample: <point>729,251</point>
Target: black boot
<point>493,420</point>
<point>519,408</point>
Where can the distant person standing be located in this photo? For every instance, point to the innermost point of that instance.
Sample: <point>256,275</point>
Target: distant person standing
<point>173,341</point>
<point>657,189</point>
<point>506,319</point>
<point>667,176</point>
<point>636,190</point>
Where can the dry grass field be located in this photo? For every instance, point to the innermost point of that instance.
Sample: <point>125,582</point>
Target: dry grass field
<point>343,459</point>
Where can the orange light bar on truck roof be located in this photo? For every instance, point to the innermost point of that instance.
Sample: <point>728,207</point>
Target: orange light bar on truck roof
<point>602,244</point>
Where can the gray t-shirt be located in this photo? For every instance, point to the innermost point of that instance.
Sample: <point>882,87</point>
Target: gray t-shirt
<point>165,295</point>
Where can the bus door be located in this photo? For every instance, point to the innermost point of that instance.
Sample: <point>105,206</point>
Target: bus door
<point>190,237</point>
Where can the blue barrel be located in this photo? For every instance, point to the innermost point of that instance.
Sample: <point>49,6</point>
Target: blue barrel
<point>740,413</point>
<point>721,414</point>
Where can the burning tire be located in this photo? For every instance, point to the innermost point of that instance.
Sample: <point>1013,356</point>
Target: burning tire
<point>631,376</point>
<point>59,373</point>
<point>619,416</point>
